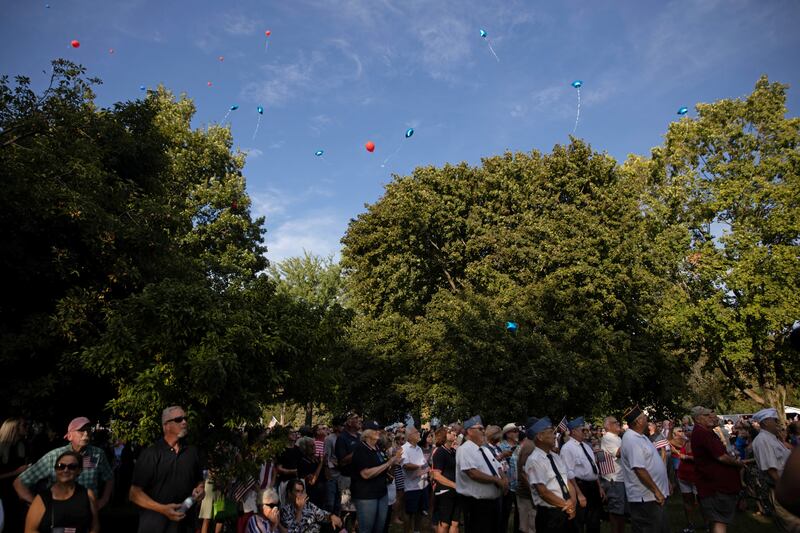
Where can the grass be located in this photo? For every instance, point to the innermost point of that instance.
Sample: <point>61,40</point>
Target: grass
<point>745,522</point>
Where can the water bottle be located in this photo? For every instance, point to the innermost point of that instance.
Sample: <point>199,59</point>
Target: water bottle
<point>187,504</point>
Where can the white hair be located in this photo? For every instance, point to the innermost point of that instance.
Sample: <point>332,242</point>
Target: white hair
<point>165,413</point>
<point>268,495</point>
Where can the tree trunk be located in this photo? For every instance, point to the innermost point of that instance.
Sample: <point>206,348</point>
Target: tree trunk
<point>309,413</point>
<point>776,398</point>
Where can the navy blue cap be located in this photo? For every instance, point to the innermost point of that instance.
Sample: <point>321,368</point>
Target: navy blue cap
<point>538,427</point>
<point>474,421</point>
<point>372,424</point>
<point>576,423</point>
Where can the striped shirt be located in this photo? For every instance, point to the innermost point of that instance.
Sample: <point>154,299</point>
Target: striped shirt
<point>96,469</point>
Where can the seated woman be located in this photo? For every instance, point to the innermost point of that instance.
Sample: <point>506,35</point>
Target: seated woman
<point>298,515</point>
<point>268,518</point>
<point>67,504</point>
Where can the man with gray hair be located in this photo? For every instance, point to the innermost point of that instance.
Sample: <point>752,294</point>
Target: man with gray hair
<point>165,475</point>
<point>645,477</point>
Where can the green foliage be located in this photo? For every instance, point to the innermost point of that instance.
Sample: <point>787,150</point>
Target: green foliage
<point>730,182</point>
<point>557,243</point>
<point>131,266</point>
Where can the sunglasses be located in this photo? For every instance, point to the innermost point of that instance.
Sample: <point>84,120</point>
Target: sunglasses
<point>177,419</point>
<point>67,466</point>
<point>270,505</point>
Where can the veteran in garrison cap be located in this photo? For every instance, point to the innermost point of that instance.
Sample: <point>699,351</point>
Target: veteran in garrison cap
<point>480,482</point>
<point>645,476</point>
<point>554,493</point>
<point>579,458</point>
<point>771,457</point>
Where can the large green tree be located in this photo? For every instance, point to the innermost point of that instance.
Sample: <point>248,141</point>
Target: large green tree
<point>131,263</point>
<point>557,243</point>
<point>728,182</point>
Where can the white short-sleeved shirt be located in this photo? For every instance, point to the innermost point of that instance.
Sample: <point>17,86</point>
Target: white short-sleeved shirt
<point>769,452</point>
<point>415,479</point>
<point>539,470</point>
<point>639,452</point>
<point>610,443</point>
<point>469,456</point>
<point>576,462</point>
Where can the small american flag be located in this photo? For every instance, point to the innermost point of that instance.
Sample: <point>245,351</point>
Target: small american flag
<point>319,448</point>
<point>605,462</point>
<point>241,488</point>
<point>562,426</point>
<point>660,442</point>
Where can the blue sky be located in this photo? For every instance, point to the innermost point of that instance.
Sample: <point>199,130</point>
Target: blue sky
<point>339,73</point>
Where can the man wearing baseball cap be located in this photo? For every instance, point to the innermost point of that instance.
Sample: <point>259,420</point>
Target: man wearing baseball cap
<point>95,475</point>
<point>718,478</point>
<point>480,482</point>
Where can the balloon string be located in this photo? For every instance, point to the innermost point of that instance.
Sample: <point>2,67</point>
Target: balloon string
<point>392,155</point>
<point>492,51</point>
<point>257,125</point>
<point>578,116</point>
<point>225,117</point>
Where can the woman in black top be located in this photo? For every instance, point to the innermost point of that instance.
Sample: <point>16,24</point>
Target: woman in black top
<point>446,509</point>
<point>13,462</point>
<point>310,470</point>
<point>67,504</point>
<point>368,483</point>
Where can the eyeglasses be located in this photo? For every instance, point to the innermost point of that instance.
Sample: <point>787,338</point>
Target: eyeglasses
<point>67,466</point>
<point>177,419</point>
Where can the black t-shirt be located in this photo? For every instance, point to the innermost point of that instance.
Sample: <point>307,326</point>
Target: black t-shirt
<point>345,444</point>
<point>166,476</point>
<point>367,489</point>
<point>290,460</point>
<point>444,460</point>
<point>74,512</point>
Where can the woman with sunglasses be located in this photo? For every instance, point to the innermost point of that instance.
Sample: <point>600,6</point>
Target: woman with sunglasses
<point>67,504</point>
<point>268,518</point>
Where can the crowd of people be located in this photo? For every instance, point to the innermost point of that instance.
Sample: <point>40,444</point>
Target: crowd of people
<point>364,476</point>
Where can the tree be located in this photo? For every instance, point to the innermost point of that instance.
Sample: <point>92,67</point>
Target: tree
<point>132,263</point>
<point>729,182</point>
<point>309,290</point>
<point>557,243</point>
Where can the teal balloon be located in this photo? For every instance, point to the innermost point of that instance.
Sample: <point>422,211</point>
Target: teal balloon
<point>142,87</point>
<point>260,110</point>
<point>683,110</point>
<point>484,34</point>
<point>511,327</point>
<point>409,132</point>
<point>234,107</point>
<point>319,152</point>
<point>577,84</point>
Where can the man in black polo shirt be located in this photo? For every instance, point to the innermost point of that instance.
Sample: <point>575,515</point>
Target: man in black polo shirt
<point>165,474</point>
<point>346,443</point>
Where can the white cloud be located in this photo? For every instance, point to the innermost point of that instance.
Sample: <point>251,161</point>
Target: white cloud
<point>238,24</point>
<point>445,45</point>
<point>317,233</point>
<point>282,84</point>
<point>252,153</point>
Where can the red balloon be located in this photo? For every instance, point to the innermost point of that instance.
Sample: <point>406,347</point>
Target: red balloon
<point>209,84</point>
<point>110,50</point>
<point>75,43</point>
<point>222,58</point>
<point>267,33</point>
<point>370,146</point>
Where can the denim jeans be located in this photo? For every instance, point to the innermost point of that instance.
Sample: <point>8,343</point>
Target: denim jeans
<point>333,501</point>
<point>372,514</point>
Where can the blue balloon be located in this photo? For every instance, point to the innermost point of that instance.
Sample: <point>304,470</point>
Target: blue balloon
<point>683,110</point>
<point>319,152</point>
<point>234,107</point>
<point>511,327</point>
<point>47,6</point>
<point>260,110</point>
<point>484,34</point>
<point>409,132</point>
<point>142,87</point>
<point>577,84</point>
